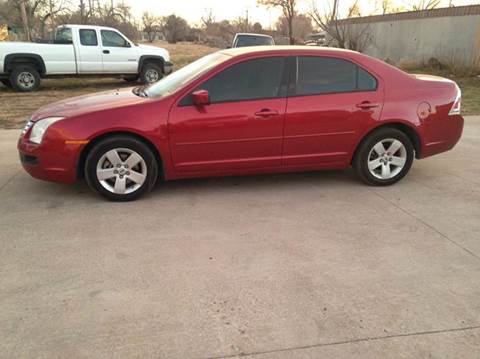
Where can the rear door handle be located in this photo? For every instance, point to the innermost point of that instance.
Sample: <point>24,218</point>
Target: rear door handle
<point>365,105</point>
<point>265,113</point>
<point>106,51</point>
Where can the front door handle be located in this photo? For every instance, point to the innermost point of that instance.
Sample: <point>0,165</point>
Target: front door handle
<point>265,113</point>
<point>366,105</point>
<point>106,51</point>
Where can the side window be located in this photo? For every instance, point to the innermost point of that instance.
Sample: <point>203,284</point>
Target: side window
<point>63,35</point>
<point>248,80</point>
<point>322,75</point>
<point>319,75</point>
<point>88,37</point>
<point>366,82</point>
<point>113,39</point>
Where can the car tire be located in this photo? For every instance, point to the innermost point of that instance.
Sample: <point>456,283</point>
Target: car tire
<point>6,83</point>
<point>384,157</point>
<point>121,168</point>
<point>24,78</point>
<point>150,73</point>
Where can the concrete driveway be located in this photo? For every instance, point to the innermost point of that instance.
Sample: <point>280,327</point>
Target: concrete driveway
<point>312,265</point>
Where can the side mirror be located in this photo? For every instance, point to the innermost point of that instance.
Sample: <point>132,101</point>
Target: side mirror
<point>201,98</point>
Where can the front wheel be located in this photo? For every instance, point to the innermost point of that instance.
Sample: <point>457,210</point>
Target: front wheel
<point>384,157</point>
<point>150,73</point>
<point>121,168</point>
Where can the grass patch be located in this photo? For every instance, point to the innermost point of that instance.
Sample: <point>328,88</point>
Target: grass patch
<point>470,86</point>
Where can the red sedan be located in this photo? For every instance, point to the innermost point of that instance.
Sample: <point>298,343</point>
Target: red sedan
<point>244,111</point>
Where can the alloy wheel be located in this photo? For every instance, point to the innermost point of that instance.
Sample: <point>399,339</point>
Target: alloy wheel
<point>121,171</point>
<point>387,158</point>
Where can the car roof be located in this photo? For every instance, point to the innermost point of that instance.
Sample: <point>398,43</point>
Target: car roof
<point>76,26</point>
<point>372,64</point>
<point>293,49</point>
<point>251,34</point>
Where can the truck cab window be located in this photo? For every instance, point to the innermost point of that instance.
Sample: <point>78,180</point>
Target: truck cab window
<point>88,37</point>
<point>113,39</point>
<point>63,35</point>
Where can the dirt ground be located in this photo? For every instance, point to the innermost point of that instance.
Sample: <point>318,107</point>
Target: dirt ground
<point>15,108</point>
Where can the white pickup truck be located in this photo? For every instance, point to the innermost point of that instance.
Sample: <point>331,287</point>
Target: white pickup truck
<point>81,50</point>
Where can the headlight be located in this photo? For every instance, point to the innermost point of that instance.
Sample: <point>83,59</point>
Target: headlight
<point>27,127</point>
<point>40,127</point>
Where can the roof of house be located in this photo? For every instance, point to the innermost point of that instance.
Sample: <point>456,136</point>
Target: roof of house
<point>422,14</point>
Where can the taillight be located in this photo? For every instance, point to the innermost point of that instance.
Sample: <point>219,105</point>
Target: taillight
<point>455,110</point>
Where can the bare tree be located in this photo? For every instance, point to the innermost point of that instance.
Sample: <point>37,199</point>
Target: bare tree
<point>302,27</point>
<point>289,10</point>
<point>208,18</point>
<point>345,35</point>
<point>86,9</point>
<point>257,28</point>
<point>50,9</point>
<point>151,25</point>
<point>425,5</point>
<point>26,25</point>
<point>242,24</point>
<point>175,28</point>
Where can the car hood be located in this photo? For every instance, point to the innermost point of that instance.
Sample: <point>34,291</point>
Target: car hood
<point>88,103</point>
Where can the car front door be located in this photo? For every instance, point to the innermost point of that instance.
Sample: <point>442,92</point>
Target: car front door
<point>241,128</point>
<point>119,56</point>
<point>330,100</point>
<point>89,52</point>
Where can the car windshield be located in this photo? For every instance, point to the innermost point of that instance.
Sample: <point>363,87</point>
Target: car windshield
<point>251,40</point>
<point>185,75</point>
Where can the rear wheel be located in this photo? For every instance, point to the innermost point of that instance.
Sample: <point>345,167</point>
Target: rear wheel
<point>151,73</point>
<point>384,157</point>
<point>121,168</point>
<point>24,78</point>
<point>6,83</point>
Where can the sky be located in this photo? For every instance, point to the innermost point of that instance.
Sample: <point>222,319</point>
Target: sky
<point>193,10</point>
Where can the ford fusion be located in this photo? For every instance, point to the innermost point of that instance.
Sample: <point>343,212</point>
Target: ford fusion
<point>245,111</point>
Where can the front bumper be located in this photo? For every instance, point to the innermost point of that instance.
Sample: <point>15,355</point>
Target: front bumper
<point>51,161</point>
<point>168,68</point>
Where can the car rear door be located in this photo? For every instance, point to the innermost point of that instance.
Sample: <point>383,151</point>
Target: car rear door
<point>330,100</point>
<point>242,127</point>
<point>119,55</point>
<point>89,52</point>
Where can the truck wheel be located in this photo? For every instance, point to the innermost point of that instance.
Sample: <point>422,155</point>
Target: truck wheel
<point>25,78</point>
<point>6,83</point>
<point>150,73</point>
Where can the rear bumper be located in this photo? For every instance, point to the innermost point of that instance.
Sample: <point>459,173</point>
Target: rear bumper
<point>48,162</point>
<point>442,135</point>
